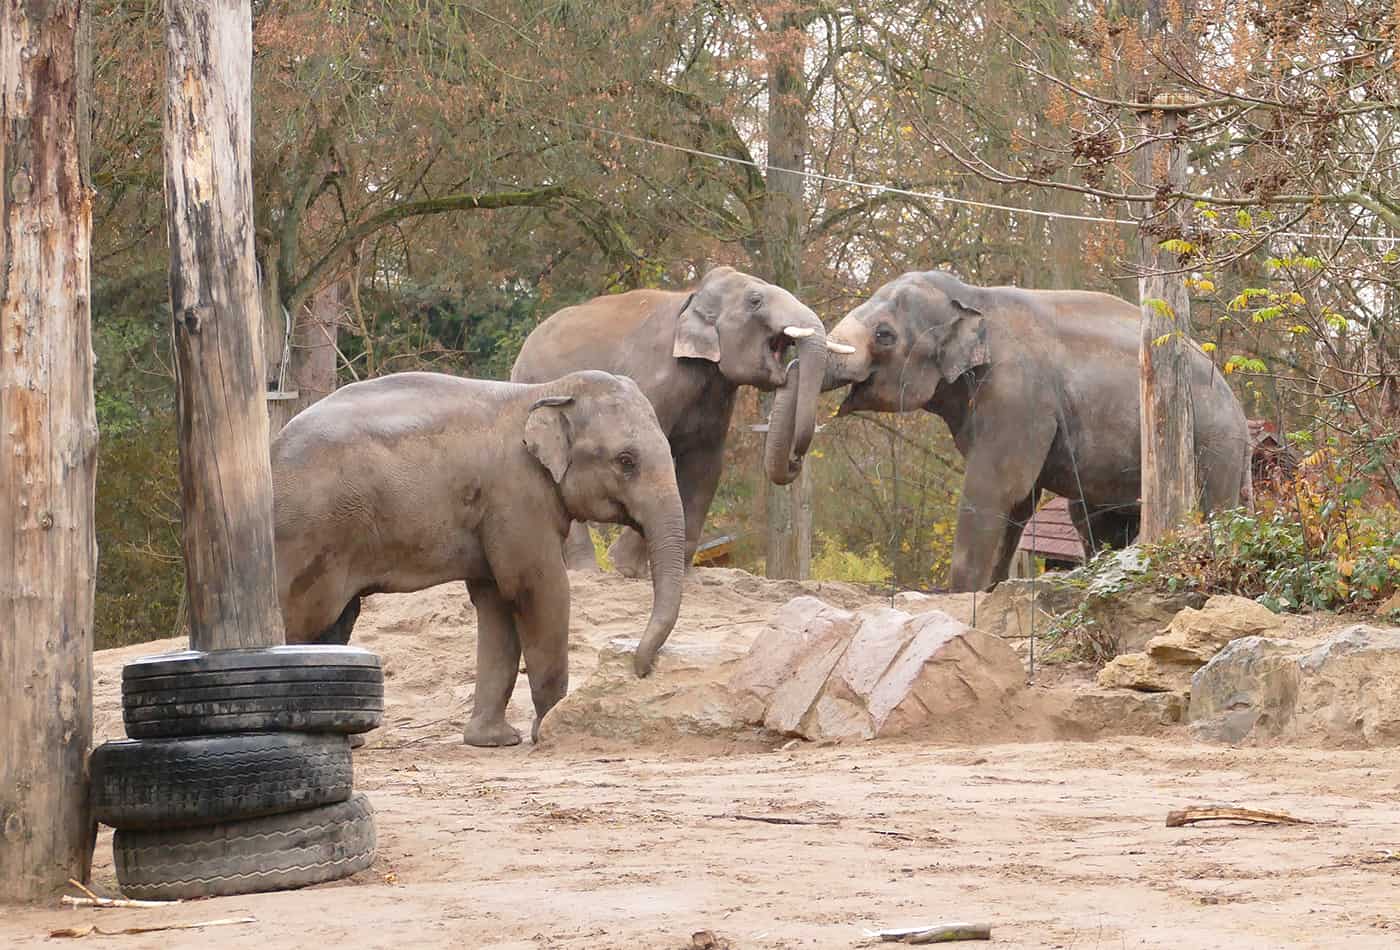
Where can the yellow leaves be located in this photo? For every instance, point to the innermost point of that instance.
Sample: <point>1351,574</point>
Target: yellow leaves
<point>1208,347</point>
<point>1158,341</point>
<point>1296,299</point>
<point>1228,368</point>
<point>1205,286</point>
<point>1298,329</point>
<point>1317,457</point>
<point>1345,566</point>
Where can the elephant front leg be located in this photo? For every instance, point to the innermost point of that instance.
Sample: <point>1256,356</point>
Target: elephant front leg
<point>543,622</point>
<point>497,665</point>
<point>1021,513</point>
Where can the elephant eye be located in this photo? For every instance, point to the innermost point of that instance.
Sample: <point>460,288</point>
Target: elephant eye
<point>755,299</point>
<point>627,462</point>
<point>884,336</point>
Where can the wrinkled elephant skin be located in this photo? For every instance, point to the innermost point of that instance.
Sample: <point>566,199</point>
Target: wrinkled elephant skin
<point>1040,391</point>
<point>689,352</point>
<point>406,481</point>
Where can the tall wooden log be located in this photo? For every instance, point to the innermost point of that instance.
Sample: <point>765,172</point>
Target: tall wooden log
<point>225,473</point>
<point>1169,482</point>
<point>789,506</point>
<point>48,449</point>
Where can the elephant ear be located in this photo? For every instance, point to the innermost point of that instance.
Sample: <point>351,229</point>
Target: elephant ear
<point>965,347</point>
<point>697,336</point>
<point>549,435</point>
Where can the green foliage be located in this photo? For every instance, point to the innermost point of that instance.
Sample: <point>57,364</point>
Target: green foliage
<point>832,562</point>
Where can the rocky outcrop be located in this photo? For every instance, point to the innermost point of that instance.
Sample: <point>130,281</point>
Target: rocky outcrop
<point>825,673</point>
<point>1169,659</point>
<point>1343,691</point>
<point>685,697</point>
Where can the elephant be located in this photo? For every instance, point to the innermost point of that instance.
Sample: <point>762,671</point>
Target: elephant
<point>689,352</point>
<point>414,479</point>
<point>1039,389</point>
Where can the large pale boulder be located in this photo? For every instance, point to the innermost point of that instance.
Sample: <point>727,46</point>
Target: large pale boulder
<point>880,672</point>
<point>1341,691</point>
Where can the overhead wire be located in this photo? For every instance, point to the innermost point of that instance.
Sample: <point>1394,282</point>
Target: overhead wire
<point>931,195</point>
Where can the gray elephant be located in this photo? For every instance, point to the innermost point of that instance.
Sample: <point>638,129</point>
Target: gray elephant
<point>1040,391</point>
<point>689,352</point>
<point>402,482</point>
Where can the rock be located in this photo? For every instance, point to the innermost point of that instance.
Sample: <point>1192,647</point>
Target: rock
<point>685,696</point>
<point>1343,691</point>
<point>1138,671</point>
<point>879,672</point>
<point>1195,636</point>
<point>1086,714</point>
<point>801,626</point>
<point>1190,640</point>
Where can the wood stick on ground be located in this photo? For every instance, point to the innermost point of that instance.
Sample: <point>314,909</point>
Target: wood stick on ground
<point>934,933</point>
<point>70,901</point>
<point>154,928</point>
<point>1190,816</point>
<point>778,820</point>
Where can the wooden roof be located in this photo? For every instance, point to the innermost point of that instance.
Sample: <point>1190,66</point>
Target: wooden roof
<point>1050,533</point>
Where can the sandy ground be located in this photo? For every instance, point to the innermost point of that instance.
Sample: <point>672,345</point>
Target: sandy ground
<point>1053,845</point>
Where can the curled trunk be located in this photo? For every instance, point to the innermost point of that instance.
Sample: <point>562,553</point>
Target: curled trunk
<point>665,536</point>
<point>793,419</point>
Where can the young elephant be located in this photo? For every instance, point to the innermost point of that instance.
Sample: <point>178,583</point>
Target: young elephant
<point>415,479</point>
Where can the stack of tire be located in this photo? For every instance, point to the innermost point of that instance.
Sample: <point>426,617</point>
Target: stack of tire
<point>237,777</point>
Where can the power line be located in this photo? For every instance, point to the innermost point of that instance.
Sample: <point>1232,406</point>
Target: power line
<point>926,195</point>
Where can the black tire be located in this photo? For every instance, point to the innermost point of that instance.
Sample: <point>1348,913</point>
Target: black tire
<point>244,857</point>
<point>304,688</point>
<point>179,783</point>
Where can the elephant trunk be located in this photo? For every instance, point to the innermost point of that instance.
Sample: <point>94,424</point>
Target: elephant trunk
<point>665,534</point>
<point>793,419</point>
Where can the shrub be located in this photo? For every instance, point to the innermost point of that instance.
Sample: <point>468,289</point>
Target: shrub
<point>834,563</point>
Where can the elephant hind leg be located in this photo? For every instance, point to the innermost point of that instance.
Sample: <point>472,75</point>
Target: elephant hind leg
<point>1020,513</point>
<point>1108,527</point>
<point>338,633</point>
<point>578,549</point>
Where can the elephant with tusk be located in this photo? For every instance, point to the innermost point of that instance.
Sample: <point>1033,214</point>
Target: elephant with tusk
<point>415,479</point>
<point>1039,389</point>
<point>690,352</point>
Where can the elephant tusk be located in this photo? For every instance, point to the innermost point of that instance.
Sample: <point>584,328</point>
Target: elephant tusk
<point>798,333</point>
<point>841,348</point>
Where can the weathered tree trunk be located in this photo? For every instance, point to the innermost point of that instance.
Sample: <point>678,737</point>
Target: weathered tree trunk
<point>312,358</point>
<point>789,506</point>
<point>1169,483</point>
<point>225,474</point>
<point>48,450</point>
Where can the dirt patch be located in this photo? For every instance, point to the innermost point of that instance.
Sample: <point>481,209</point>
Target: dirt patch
<point>1055,844</point>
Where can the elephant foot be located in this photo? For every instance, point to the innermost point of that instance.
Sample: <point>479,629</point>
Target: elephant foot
<point>629,555</point>
<point>490,734</point>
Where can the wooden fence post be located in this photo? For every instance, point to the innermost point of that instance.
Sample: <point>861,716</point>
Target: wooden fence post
<point>48,449</point>
<point>225,472</point>
<point>1169,489</point>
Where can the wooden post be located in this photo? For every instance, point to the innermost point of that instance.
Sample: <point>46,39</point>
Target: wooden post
<point>225,472</point>
<point>1169,489</point>
<point>48,449</point>
<point>789,506</point>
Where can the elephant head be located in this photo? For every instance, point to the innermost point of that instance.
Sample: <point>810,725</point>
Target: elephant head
<point>744,325</point>
<point>600,441</point>
<point>916,333</point>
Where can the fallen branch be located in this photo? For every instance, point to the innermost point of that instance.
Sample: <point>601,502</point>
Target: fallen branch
<point>71,901</point>
<point>777,820</point>
<point>1191,816</point>
<point>935,933</point>
<point>98,931</point>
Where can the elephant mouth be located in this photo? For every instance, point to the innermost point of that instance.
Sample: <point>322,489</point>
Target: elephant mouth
<point>857,398</point>
<point>777,351</point>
